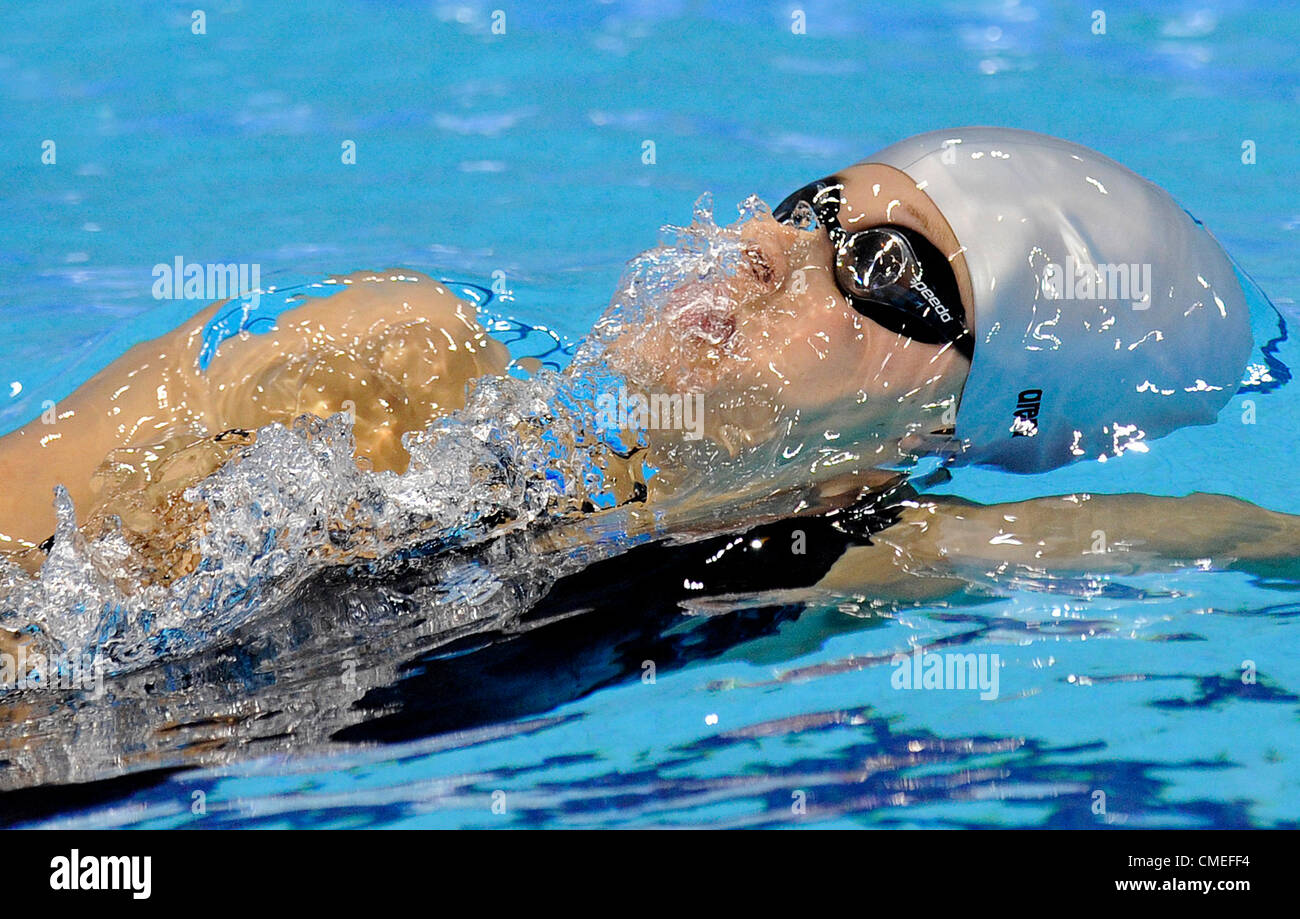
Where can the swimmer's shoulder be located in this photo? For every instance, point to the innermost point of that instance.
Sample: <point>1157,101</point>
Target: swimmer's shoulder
<point>339,312</point>
<point>353,304</point>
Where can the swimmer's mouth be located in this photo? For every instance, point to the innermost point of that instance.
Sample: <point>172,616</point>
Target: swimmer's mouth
<point>704,315</point>
<point>709,325</point>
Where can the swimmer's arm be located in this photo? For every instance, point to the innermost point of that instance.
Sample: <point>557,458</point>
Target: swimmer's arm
<point>939,542</point>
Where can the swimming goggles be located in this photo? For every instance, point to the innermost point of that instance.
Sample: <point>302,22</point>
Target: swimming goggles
<point>883,272</point>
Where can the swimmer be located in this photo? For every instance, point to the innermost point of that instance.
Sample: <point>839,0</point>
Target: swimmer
<point>920,302</point>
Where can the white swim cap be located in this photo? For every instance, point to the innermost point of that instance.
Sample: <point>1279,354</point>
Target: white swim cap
<point>1104,314</point>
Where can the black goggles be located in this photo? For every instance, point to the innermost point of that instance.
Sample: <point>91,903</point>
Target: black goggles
<point>892,275</point>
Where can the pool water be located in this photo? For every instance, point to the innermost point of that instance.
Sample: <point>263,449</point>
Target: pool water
<point>520,158</point>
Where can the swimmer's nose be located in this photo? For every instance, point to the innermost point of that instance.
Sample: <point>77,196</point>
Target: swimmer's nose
<point>766,245</point>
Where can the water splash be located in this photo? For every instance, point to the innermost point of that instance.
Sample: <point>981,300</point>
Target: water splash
<point>291,500</point>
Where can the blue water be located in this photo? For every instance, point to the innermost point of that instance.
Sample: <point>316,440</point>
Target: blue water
<point>522,153</point>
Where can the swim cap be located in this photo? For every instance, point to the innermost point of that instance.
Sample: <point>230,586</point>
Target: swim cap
<point>1104,314</point>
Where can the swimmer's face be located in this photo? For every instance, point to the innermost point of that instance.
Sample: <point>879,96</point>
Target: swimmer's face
<point>780,337</point>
